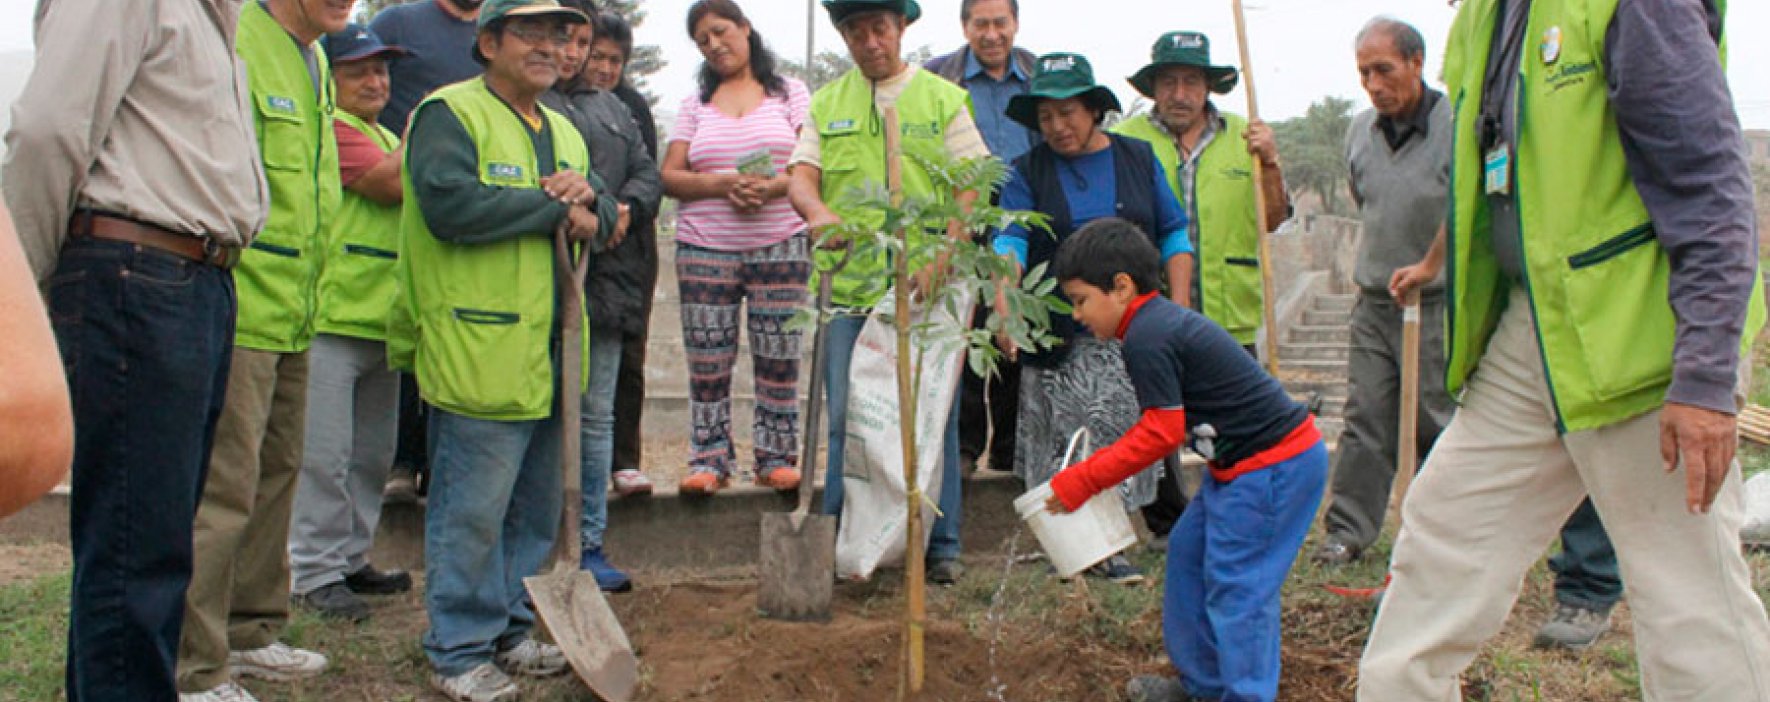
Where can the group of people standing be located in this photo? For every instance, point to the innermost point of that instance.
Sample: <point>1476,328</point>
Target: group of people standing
<point>265,214</point>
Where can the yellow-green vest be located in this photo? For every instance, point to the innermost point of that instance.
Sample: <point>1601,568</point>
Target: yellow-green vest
<point>1595,271</point>
<point>475,321</point>
<point>356,286</point>
<point>276,275</point>
<point>1228,249</point>
<point>852,156</point>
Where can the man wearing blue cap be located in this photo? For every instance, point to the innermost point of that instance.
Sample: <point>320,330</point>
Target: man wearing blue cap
<point>352,396</point>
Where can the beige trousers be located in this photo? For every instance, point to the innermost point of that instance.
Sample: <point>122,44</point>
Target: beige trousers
<point>1492,496</point>
<point>239,593</point>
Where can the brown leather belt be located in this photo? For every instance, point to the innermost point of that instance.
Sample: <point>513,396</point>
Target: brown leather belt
<point>111,228</point>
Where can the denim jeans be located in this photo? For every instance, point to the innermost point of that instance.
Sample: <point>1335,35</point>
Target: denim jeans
<point>1586,571</point>
<point>145,337</point>
<point>1228,558</point>
<point>943,539</point>
<point>598,426</point>
<point>352,430</point>
<point>495,499</point>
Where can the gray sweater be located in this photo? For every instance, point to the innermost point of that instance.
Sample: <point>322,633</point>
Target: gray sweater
<point>1402,195</point>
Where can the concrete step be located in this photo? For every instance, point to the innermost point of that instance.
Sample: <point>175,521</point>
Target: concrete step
<point>1327,385</point>
<point>1323,334</point>
<point>1331,368</point>
<point>1325,318</point>
<point>1335,303</point>
<point>1324,352</point>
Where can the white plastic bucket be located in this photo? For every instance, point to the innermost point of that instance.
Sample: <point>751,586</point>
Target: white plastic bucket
<point>1079,539</point>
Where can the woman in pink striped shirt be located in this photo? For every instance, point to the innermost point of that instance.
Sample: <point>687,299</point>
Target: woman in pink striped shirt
<point>738,240</point>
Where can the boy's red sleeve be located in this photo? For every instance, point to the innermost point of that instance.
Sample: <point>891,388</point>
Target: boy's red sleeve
<point>1155,435</point>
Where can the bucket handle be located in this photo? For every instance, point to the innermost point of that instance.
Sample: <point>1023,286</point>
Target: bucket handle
<point>1083,437</point>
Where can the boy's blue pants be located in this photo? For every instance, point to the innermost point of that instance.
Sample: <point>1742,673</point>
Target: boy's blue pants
<point>1227,559</point>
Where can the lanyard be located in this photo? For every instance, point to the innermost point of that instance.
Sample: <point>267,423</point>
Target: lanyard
<point>1496,86</point>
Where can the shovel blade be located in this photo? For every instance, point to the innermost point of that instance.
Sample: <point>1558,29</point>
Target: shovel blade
<point>798,567</point>
<point>574,611</point>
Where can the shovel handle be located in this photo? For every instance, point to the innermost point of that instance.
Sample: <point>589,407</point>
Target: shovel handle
<point>570,269</point>
<point>814,400</point>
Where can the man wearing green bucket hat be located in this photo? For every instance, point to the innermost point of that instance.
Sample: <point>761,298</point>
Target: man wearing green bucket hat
<point>843,148</point>
<point>490,175</point>
<point>1209,155</point>
<point>1078,174</point>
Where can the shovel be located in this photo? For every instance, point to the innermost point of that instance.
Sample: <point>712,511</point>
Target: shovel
<point>798,564</point>
<point>1407,438</point>
<point>568,600</point>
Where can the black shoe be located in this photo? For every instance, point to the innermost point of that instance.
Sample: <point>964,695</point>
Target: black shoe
<point>1156,688</point>
<point>945,571</point>
<point>1117,569</point>
<point>1334,552</point>
<point>336,601</point>
<point>368,581</point>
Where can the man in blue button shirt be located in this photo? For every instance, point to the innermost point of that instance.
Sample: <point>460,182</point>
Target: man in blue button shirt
<point>993,70</point>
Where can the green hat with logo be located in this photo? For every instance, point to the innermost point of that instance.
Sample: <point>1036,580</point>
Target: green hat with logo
<point>1059,76</point>
<point>1184,49</point>
<point>841,10</point>
<point>494,11</point>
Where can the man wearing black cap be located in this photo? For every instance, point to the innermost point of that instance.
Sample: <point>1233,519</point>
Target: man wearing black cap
<point>352,396</point>
<point>842,148</point>
<point>491,175</point>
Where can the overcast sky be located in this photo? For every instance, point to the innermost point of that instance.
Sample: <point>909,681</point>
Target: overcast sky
<point>1301,48</point>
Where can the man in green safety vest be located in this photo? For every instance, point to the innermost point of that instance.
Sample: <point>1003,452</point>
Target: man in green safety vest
<point>238,601</point>
<point>352,395</point>
<point>490,175</point>
<point>1603,295</point>
<point>843,148</point>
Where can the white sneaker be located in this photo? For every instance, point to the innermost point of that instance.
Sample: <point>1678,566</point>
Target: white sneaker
<point>227,692</point>
<point>532,658</point>
<point>485,683</point>
<point>278,661</point>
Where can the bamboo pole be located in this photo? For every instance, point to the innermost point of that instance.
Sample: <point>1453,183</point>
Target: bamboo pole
<point>1247,81</point>
<point>915,615</point>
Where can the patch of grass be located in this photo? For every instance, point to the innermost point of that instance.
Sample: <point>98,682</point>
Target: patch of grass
<point>34,625</point>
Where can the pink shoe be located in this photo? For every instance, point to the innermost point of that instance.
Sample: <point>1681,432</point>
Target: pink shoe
<point>630,482</point>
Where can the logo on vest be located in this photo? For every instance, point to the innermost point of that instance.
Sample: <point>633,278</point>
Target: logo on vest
<point>503,172</point>
<point>922,130</point>
<point>280,104</point>
<point>840,125</point>
<point>1551,46</point>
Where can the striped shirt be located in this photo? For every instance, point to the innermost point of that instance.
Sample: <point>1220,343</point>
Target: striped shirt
<point>716,141</point>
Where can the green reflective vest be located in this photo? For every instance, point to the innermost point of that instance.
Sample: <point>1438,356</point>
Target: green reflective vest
<point>356,285</point>
<point>1595,271</point>
<point>1228,230</point>
<point>475,321</point>
<point>276,275</point>
<point>852,155</point>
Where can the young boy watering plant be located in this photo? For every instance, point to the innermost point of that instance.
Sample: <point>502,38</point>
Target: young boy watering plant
<point>1233,547</point>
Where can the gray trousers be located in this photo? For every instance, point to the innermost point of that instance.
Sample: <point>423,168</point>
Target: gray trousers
<point>1364,468</point>
<point>352,416</point>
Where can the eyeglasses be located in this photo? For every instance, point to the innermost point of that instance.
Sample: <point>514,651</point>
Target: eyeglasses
<point>555,34</point>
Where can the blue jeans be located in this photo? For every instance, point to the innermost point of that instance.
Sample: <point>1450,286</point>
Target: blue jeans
<point>1228,557</point>
<point>598,426</point>
<point>1586,572</point>
<point>145,337</point>
<point>943,539</point>
<point>495,500</point>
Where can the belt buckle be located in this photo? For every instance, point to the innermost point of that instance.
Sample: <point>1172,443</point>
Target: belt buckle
<point>218,255</point>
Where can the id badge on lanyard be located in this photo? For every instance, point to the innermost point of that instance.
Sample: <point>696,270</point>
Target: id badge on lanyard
<point>1497,170</point>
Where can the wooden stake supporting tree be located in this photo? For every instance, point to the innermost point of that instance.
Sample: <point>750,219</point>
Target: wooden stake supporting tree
<point>913,237</point>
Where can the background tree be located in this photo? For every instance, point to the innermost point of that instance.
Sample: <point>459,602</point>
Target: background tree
<point>1313,147</point>
<point>830,65</point>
